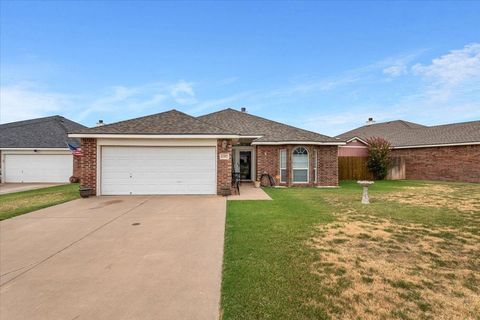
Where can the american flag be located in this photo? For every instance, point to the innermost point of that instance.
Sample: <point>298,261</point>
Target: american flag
<point>75,151</point>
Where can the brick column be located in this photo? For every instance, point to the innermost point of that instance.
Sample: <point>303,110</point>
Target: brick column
<point>224,167</point>
<point>327,166</point>
<point>88,164</point>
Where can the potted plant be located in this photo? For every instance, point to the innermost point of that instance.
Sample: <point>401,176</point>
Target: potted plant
<point>256,183</point>
<point>85,192</point>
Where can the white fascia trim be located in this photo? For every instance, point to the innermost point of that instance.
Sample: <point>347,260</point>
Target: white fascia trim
<point>153,136</point>
<point>300,143</point>
<point>438,145</point>
<point>31,149</point>
<point>357,138</point>
<point>250,137</point>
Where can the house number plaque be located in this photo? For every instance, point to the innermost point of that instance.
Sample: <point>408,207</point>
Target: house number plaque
<point>224,156</point>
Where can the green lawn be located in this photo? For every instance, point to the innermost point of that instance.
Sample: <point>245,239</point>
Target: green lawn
<point>14,204</point>
<point>413,253</point>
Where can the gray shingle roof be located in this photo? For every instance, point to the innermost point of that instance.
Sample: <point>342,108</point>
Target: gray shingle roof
<point>168,123</point>
<point>249,125</point>
<point>401,133</point>
<point>49,132</point>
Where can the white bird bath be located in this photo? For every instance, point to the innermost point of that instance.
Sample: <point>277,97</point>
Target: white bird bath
<point>365,185</point>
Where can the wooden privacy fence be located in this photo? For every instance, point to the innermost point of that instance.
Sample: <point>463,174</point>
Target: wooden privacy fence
<point>355,168</point>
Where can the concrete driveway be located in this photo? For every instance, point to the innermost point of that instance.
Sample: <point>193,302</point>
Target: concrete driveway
<point>114,258</point>
<point>17,187</point>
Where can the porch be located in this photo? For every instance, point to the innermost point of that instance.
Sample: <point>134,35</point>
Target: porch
<point>249,192</point>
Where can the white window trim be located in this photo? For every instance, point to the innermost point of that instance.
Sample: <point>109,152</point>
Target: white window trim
<point>280,164</point>
<point>308,168</point>
<point>315,161</point>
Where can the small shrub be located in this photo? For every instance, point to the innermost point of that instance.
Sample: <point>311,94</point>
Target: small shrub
<point>378,157</point>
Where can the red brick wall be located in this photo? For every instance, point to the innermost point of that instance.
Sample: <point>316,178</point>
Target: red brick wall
<point>267,158</point>
<point>327,167</point>
<point>224,167</point>
<point>88,164</point>
<point>459,163</point>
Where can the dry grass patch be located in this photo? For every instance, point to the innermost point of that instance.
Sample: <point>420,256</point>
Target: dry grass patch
<point>383,270</point>
<point>439,196</point>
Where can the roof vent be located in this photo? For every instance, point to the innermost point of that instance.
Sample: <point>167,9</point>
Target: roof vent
<point>370,121</point>
<point>100,123</point>
<point>243,109</point>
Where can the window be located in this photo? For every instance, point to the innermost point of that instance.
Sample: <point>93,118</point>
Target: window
<point>283,166</point>
<point>300,165</point>
<point>315,164</point>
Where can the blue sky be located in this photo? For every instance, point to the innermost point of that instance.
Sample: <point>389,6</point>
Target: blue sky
<point>323,66</point>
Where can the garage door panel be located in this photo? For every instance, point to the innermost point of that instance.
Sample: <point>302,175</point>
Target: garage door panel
<point>38,167</point>
<point>158,170</point>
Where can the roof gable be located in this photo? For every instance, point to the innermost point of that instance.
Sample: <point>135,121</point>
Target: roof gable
<point>48,132</point>
<point>165,123</point>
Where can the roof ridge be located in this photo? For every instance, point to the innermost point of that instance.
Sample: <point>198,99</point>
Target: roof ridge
<point>173,117</point>
<point>21,123</point>
<point>61,123</point>
<point>273,121</point>
<point>218,111</point>
<point>453,124</point>
<point>209,124</point>
<point>408,123</point>
<point>137,118</point>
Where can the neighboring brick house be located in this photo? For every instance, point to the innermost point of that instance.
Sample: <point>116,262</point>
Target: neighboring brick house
<point>36,150</point>
<point>174,153</point>
<point>449,152</point>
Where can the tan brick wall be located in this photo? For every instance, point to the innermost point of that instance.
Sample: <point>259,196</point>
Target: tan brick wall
<point>88,164</point>
<point>224,167</point>
<point>458,163</point>
<point>268,160</point>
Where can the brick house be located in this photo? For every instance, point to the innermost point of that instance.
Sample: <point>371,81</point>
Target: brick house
<point>175,153</point>
<point>36,150</point>
<point>449,152</point>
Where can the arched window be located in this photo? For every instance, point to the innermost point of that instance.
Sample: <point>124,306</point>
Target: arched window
<point>300,165</point>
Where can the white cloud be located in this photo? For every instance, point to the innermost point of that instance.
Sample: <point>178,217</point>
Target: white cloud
<point>149,97</point>
<point>453,68</point>
<point>219,103</point>
<point>183,92</point>
<point>395,70</point>
<point>398,66</point>
<point>452,75</point>
<point>27,100</point>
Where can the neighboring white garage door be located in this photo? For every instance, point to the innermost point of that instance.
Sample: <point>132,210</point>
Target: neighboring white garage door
<point>158,170</point>
<point>38,167</point>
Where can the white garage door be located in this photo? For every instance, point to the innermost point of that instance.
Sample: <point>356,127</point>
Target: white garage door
<point>158,170</point>
<point>38,167</point>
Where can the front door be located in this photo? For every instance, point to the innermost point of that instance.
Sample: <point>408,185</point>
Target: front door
<point>245,165</point>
